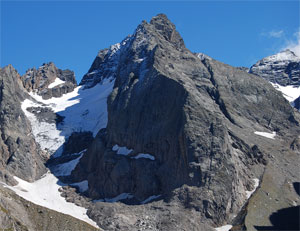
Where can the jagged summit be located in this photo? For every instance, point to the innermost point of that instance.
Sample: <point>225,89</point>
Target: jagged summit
<point>167,29</point>
<point>49,81</point>
<point>145,38</point>
<point>282,68</point>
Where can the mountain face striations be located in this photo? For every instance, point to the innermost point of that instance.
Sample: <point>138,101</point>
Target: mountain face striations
<point>20,154</point>
<point>179,126</point>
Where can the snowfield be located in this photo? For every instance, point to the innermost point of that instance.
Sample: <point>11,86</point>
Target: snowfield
<point>65,169</point>
<point>56,82</point>
<point>44,192</point>
<point>224,228</point>
<point>289,92</point>
<point>46,134</point>
<point>83,110</point>
<point>266,134</point>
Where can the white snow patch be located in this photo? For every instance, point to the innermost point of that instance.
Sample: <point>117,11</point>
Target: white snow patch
<point>224,228</point>
<point>150,199</point>
<point>56,82</point>
<point>266,134</point>
<point>65,169</point>
<point>122,196</point>
<point>249,193</point>
<point>142,155</point>
<point>121,150</point>
<point>44,192</point>
<point>82,186</point>
<point>289,92</point>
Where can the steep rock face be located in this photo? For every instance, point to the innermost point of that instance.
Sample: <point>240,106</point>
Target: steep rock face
<point>49,81</point>
<point>20,154</point>
<point>282,68</point>
<point>192,115</point>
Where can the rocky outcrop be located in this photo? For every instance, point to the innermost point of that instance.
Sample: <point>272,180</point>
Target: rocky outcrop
<point>20,155</point>
<point>282,68</point>
<point>49,81</point>
<point>77,142</point>
<point>186,124</point>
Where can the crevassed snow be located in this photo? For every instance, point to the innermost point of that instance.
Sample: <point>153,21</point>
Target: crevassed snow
<point>44,192</point>
<point>46,134</point>
<point>84,110</point>
<point>256,183</point>
<point>122,196</point>
<point>150,199</point>
<point>56,82</point>
<point>142,155</point>
<point>289,92</point>
<point>82,186</point>
<point>121,150</point>
<point>224,228</point>
<point>266,134</point>
<point>65,169</point>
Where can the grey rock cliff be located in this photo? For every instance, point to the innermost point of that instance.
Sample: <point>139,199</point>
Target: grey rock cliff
<point>194,115</point>
<point>20,154</point>
<point>38,80</point>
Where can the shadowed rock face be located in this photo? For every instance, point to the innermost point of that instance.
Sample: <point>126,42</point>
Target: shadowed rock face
<point>196,116</point>
<point>19,153</point>
<point>38,80</point>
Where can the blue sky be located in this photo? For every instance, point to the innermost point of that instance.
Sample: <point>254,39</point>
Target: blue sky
<point>70,33</point>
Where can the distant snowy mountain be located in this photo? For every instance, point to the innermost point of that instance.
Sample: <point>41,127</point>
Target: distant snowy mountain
<point>282,68</point>
<point>283,71</point>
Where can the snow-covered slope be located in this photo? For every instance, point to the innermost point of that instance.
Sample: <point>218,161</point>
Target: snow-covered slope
<point>291,93</point>
<point>82,109</point>
<point>45,192</point>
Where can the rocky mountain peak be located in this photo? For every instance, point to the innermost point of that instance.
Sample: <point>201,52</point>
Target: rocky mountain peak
<point>285,55</point>
<point>49,81</point>
<point>167,29</point>
<point>180,122</point>
<point>282,68</point>
<point>160,32</point>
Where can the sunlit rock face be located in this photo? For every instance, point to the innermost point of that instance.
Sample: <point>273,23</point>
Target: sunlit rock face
<point>193,115</point>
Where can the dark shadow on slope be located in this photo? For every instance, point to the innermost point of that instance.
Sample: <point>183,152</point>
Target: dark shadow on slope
<point>285,219</point>
<point>297,187</point>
